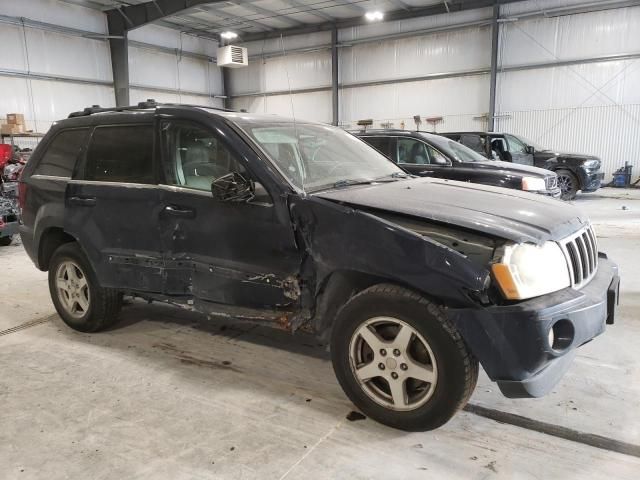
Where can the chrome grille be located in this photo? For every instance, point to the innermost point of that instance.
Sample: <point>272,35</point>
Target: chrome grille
<point>581,253</point>
<point>551,182</point>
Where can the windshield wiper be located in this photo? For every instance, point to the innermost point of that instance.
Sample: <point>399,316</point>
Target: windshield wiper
<point>348,182</point>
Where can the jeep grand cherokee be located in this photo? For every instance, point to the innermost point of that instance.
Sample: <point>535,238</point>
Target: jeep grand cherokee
<point>412,281</point>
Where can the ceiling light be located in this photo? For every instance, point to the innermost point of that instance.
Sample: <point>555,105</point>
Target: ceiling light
<point>229,35</point>
<point>374,16</point>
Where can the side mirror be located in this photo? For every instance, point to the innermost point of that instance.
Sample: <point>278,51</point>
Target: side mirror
<point>232,187</point>
<point>530,149</point>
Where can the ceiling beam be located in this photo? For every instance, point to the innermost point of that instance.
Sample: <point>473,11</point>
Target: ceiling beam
<point>238,21</point>
<point>450,7</point>
<point>268,13</point>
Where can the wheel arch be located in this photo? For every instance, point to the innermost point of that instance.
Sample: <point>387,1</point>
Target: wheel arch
<point>50,240</point>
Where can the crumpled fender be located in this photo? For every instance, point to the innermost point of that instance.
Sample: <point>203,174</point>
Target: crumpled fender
<point>338,238</point>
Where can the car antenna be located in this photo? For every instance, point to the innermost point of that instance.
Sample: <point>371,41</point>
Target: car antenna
<point>418,120</point>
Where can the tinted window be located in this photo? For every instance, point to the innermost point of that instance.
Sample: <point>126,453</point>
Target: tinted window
<point>474,142</point>
<point>60,158</point>
<point>436,158</point>
<point>121,154</point>
<point>515,145</point>
<point>381,144</point>
<point>412,151</point>
<point>195,156</point>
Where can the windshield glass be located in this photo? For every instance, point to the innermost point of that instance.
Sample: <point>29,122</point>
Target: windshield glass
<point>530,143</point>
<point>456,150</point>
<point>313,157</point>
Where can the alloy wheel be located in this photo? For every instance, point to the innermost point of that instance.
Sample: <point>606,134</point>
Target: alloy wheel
<point>72,288</point>
<point>393,363</point>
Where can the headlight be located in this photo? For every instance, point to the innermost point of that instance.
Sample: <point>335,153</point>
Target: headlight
<point>592,164</point>
<point>527,270</point>
<point>533,184</point>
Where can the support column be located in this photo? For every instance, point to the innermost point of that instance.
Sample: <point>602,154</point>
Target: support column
<point>120,67</point>
<point>335,107</point>
<point>495,31</point>
<point>226,90</point>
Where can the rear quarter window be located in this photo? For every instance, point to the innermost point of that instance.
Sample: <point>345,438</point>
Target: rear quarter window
<point>60,158</point>
<point>121,154</point>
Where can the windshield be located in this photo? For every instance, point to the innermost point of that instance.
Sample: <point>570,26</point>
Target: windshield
<point>531,143</point>
<point>313,157</point>
<point>456,150</point>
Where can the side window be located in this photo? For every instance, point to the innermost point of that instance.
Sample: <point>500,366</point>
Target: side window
<point>381,144</point>
<point>195,156</point>
<point>474,142</point>
<point>60,158</point>
<point>515,145</point>
<point>121,154</point>
<point>436,157</point>
<point>412,152</point>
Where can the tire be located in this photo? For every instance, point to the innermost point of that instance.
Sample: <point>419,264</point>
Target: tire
<point>445,359</point>
<point>78,297</point>
<point>5,241</point>
<point>568,184</point>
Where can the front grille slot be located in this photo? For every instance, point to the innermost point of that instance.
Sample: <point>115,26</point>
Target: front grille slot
<point>581,253</point>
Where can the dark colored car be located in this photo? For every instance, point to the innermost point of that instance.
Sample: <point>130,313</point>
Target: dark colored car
<point>429,155</point>
<point>412,281</point>
<point>576,172</point>
<point>8,218</point>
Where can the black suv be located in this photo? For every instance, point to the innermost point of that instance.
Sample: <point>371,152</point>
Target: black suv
<point>429,155</point>
<point>412,281</point>
<point>576,172</point>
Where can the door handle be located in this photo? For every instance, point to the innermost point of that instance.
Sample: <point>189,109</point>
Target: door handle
<point>83,201</point>
<point>180,211</point>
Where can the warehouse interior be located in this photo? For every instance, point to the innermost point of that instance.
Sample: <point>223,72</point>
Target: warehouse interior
<point>176,393</point>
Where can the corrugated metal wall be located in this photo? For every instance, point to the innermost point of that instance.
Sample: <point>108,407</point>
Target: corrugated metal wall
<point>50,73</point>
<point>588,106</point>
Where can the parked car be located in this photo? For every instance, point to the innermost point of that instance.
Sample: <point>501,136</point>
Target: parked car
<point>576,172</point>
<point>429,155</point>
<point>412,281</point>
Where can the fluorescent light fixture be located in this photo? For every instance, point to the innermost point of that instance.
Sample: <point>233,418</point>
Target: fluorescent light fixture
<point>375,16</point>
<point>229,35</point>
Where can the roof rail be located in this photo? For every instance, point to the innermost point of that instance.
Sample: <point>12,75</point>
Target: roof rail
<point>150,103</point>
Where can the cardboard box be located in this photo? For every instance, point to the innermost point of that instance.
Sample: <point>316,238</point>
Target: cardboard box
<point>10,129</point>
<point>15,118</point>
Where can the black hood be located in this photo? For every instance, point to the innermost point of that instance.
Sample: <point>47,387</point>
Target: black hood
<point>512,169</point>
<point>500,212</point>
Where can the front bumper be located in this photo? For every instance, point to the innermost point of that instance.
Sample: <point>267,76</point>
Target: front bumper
<point>554,192</point>
<point>592,181</point>
<point>511,342</point>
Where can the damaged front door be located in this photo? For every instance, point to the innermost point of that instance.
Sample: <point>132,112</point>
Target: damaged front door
<point>226,249</point>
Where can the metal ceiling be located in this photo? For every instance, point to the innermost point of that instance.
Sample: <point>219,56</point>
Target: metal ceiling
<point>253,19</point>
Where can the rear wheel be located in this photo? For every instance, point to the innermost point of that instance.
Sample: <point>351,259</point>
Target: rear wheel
<point>400,360</point>
<point>568,184</point>
<point>79,300</point>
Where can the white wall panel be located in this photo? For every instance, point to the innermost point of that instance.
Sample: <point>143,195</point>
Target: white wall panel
<point>315,107</point>
<point>277,45</point>
<point>401,101</point>
<point>299,71</point>
<point>571,37</point>
<point>52,100</point>
<point>57,13</point>
<point>415,56</point>
<point>587,84</point>
<point>170,38</point>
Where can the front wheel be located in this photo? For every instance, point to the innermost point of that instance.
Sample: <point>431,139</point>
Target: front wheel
<point>78,297</point>
<point>400,360</point>
<point>568,184</point>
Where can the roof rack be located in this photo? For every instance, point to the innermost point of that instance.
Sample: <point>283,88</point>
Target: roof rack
<point>150,103</point>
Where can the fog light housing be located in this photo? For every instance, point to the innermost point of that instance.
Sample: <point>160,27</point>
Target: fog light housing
<point>561,335</point>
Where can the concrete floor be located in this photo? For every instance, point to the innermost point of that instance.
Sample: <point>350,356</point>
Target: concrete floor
<point>168,394</point>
